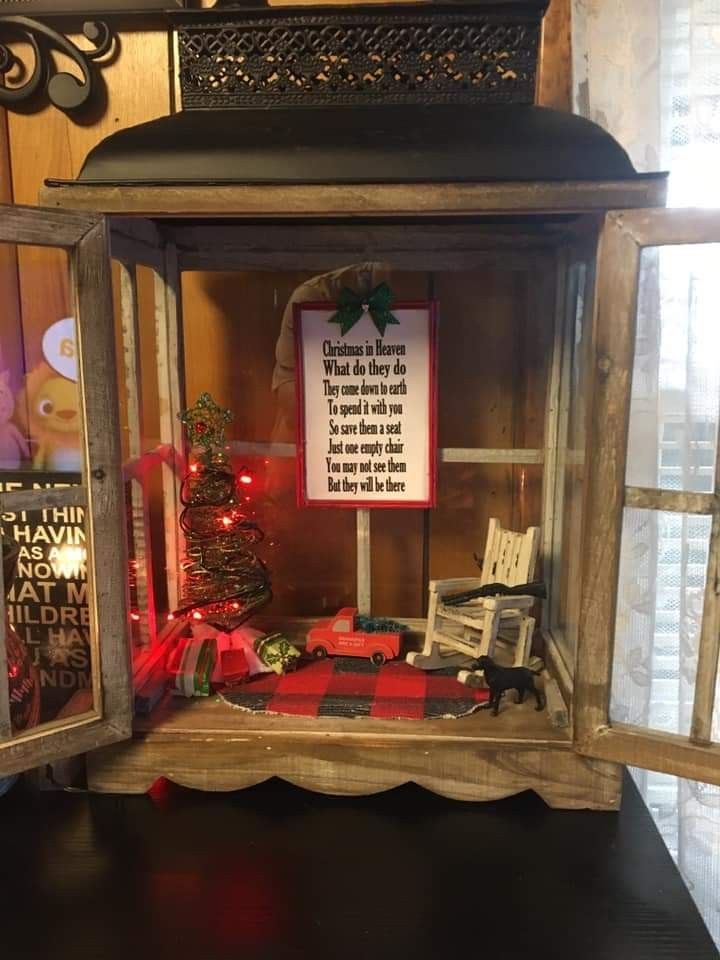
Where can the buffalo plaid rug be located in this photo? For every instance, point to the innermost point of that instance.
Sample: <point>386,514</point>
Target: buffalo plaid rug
<point>353,687</point>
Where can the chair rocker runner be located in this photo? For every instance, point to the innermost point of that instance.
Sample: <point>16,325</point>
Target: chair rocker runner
<point>460,633</point>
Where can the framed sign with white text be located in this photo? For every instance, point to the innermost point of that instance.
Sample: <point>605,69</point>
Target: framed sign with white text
<point>367,398</point>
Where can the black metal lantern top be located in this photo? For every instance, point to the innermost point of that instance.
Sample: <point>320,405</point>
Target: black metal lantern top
<point>405,93</point>
<point>368,144</point>
<point>460,53</point>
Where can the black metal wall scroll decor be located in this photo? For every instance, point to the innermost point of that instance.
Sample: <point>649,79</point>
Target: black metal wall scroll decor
<point>64,90</point>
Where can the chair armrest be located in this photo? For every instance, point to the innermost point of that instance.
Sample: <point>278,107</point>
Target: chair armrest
<point>454,586</point>
<point>520,602</point>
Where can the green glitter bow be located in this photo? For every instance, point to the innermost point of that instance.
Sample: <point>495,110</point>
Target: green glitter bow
<point>351,306</point>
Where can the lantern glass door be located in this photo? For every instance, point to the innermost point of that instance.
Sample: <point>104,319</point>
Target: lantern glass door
<point>565,451</point>
<point>63,655</point>
<point>650,625</point>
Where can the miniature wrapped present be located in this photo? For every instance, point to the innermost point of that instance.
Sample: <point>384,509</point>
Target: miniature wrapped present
<point>276,652</point>
<point>244,638</point>
<point>240,640</point>
<point>234,667</point>
<point>190,666</point>
<point>221,641</point>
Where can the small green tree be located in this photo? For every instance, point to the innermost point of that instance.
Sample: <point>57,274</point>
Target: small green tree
<point>225,581</point>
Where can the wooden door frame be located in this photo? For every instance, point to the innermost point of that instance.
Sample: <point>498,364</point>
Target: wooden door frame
<point>625,235</point>
<point>85,238</point>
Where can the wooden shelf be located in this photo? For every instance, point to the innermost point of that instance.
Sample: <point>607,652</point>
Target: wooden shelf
<point>287,201</point>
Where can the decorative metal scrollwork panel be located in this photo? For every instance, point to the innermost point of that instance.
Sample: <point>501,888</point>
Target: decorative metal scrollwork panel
<point>307,60</point>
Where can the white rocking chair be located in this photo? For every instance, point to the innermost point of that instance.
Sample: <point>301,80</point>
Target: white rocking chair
<point>457,634</point>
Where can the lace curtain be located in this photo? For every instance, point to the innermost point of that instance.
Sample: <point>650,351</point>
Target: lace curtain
<point>649,72</point>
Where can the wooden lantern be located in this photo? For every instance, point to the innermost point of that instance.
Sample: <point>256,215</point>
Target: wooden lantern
<point>447,174</point>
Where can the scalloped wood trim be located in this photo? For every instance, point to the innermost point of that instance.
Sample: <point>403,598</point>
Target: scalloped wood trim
<point>563,779</point>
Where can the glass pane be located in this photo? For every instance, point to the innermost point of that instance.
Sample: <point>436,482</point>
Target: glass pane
<point>40,427</point>
<point>136,351</point>
<point>494,352</point>
<point>311,553</point>
<point>469,495</point>
<point>138,347</point>
<point>47,631</point>
<point>676,376</point>
<point>240,326</point>
<point>399,587</point>
<point>49,637</point>
<point>663,565</point>
<point>409,547</point>
<point>493,332</point>
<point>147,583</point>
<point>565,597</point>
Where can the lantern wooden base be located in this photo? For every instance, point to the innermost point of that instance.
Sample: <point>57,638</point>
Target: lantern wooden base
<point>204,744</point>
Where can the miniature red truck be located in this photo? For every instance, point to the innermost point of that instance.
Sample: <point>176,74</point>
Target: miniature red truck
<point>338,637</point>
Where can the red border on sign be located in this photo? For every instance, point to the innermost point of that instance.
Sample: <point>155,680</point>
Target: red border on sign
<point>302,499</point>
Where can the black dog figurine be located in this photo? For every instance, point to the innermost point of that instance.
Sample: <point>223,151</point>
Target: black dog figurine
<point>500,679</point>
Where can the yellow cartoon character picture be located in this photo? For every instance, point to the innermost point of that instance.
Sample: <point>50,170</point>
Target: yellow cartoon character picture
<point>52,406</point>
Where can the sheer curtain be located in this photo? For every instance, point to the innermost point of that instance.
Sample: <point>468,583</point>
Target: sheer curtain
<point>649,72</point>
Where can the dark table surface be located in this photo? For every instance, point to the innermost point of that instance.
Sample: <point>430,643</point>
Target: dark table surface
<point>275,872</point>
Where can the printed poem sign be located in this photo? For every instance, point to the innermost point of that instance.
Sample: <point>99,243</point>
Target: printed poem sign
<point>47,602</point>
<point>366,409</point>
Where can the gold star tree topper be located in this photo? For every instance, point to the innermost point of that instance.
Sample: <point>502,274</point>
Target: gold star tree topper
<point>205,423</point>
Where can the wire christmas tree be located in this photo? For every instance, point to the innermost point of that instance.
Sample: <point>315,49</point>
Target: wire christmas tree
<point>225,581</point>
